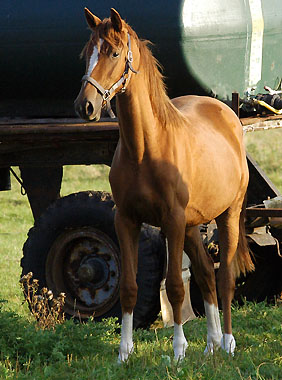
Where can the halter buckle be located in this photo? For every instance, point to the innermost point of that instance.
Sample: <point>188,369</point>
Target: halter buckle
<point>106,95</point>
<point>130,56</point>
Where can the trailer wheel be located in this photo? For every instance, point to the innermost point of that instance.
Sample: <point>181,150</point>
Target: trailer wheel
<point>265,283</point>
<point>73,248</point>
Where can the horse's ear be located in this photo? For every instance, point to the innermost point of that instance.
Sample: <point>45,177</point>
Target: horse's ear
<point>92,20</point>
<point>116,20</point>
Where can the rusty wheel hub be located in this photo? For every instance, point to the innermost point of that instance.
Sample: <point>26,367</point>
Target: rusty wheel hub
<point>84,264</point>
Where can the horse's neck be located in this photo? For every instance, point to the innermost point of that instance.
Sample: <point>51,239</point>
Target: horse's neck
<point>138,126</point>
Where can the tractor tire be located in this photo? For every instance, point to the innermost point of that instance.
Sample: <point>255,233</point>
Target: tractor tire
<point>73,248</point>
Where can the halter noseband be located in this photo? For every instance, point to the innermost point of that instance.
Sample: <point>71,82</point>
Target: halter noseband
<point>107,94</point>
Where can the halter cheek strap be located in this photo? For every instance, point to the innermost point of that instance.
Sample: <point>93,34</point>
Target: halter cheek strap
<point>123,81</point>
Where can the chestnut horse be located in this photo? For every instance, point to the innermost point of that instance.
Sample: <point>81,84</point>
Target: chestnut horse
<point>178,163</point>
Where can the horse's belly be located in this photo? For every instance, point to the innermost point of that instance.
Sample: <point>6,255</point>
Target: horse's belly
<point>211,200</point>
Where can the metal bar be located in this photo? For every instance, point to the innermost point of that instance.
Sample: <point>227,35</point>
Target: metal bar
<point>267,212</point>
<point>235,103</point>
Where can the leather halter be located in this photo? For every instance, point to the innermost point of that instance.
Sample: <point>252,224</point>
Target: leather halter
<point>107,95</point>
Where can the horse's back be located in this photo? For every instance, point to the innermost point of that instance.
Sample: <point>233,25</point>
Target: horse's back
<point>201,109</point>
<point>211,120</point>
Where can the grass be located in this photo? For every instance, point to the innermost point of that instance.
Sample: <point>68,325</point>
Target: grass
<point>81,178</point>
<point>89,351</point>
<point>265,147</point>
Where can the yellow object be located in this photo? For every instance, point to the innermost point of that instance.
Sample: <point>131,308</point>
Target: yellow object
<point>268,106</point>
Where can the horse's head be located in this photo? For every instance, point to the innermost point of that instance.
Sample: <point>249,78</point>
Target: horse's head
<point>109,56</point>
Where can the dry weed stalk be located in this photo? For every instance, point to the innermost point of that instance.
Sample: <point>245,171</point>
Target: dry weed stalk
<point>47,309</point>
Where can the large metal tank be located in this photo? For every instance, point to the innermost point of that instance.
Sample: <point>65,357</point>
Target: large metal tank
<point>206,47</point>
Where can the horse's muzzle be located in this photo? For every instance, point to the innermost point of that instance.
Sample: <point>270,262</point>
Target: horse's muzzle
<point>87,110</point>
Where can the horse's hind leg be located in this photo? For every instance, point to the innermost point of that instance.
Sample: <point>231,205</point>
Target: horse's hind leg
<point>174,232</point>
<point>228,228</point>
<point>203,270</point>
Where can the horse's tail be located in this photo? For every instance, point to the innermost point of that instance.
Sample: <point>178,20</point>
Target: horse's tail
<point>242,261</point>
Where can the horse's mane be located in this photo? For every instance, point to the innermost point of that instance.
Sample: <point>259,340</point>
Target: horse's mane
<point>162,107</point>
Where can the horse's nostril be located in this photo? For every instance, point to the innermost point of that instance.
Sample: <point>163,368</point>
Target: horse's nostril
<point>89,109</point>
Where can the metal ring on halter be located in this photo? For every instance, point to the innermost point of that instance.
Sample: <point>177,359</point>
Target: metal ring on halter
<point>130,56</point>
<point>106,95</point>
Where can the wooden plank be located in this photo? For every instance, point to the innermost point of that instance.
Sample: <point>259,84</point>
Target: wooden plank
<point>53,142</point>
<point>260,119</point>
<point>251,124</point>
<point>24,129</point>
<point>52,121</point>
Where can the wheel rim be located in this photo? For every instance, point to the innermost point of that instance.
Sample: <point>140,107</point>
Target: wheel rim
<point>84,264</point>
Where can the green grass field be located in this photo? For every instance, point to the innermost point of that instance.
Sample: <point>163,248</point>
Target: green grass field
<point>89,351</point>
<point>265,147</point>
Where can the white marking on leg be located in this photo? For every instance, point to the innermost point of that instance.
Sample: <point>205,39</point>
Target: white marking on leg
<point>94,58</point>
<point>126,342</point>
<point>214,328</point>
<point>228,343</point>
<point>179,342</point>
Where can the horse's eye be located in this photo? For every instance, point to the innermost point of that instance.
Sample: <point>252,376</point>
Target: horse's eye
<point>115,54</point>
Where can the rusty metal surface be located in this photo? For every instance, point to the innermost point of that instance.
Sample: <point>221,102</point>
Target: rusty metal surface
<point>56,142</point>
<point>84,263</point>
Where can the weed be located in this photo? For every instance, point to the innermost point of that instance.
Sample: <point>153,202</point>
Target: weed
<point>47,309</point>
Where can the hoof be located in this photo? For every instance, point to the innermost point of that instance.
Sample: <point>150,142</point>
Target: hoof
<point>228,343</point>
<point>125,352</point>
<point>179,351</point>
<point>213,344</point>
<point>179,342</point>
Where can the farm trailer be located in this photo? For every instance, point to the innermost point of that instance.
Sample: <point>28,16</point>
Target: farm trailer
<point>211,48</point>
<point>73,248</point>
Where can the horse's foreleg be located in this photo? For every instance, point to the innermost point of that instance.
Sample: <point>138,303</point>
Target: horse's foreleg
<point>174,284</point>
<point>203,270</point>
<point>228,228</point>
<point>128,236</point>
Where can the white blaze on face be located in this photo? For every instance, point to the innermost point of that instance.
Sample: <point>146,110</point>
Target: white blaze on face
<point>94,58</point>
